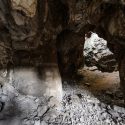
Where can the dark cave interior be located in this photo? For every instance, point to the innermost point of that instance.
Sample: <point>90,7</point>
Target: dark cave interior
<point>55,69</point>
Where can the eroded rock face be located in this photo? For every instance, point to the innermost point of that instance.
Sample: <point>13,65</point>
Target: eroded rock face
<point>31,29</point>
<point>29,6</point>
<point>26,48</point>
<point>97,54</point>
<point>44,81</point>
<point>114,24</point>
<point>32,33</point>
<point>109,20</point>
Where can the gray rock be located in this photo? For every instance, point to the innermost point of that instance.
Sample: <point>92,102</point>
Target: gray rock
<point>43,123</point>
<point>41,110</point>
<point>119,109</point>
<point>97,54</point>
<point>114,114</point>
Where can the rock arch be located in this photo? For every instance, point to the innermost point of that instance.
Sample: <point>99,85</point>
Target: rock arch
<point>108,18</point>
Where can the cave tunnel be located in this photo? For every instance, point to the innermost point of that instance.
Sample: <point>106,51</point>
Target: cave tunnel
<point>62,62</point>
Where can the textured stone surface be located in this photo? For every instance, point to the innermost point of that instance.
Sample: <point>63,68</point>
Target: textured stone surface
<point>28,40</point>
<point>28,32</point>
<point>109,24</point>
<point>31,29</point>
<point>97,54</point>
<point>19,109</point>
<point>80,105</point>
<point>37,82</point>
<point>27,6</point>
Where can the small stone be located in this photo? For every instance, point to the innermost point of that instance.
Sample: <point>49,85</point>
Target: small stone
<point>93,68</point>
<point>109,93</point>
<point>104,115</point>
<point>41,110</point>
<point>43,123</point>
<point>81,119</point>
<point>109,107</point>
<point>113,113</point>
<point>37,122</point>
<point>26,122</point>
<point>119,109</point>
<point>36,100</point>
<point>88,84</point>
<point>102,105</point>
<point>108,121</point>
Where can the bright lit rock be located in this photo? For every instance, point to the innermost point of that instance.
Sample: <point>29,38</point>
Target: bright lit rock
<point>29,81</point>
<point>97,54</point>
<point>27,6</point>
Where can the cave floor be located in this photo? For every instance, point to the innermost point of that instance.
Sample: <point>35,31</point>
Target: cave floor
<point>94,100</point>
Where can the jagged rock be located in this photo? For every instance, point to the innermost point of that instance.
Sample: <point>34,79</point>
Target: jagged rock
<point>42,110</point>
<point>113,114</point>
<point>110,24</point>
<point>97,54</point>
<point>43,123</point>
<point>93,68</point>
<point>29,37</point>
<point>29,8</point>
<point>119,109</point>
<point>70,52</point>
<point>88,84</point>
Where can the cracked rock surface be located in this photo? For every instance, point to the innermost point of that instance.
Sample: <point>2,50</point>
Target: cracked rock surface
<point>17,109</point>
<point>98,54</point>
<point>80,105</point>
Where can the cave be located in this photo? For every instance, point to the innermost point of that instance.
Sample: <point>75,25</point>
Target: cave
<point>62,62</point>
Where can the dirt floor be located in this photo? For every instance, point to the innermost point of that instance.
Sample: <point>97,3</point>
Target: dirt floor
<point>94,100</point>
<point>99,80</point>
<point>103,83</point>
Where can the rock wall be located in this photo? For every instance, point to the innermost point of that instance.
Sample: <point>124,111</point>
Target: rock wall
<point>98,54</point>
<point>29,8</point>
<point>52,32</point>
<point>70,52</point>
<point>27,47</point>
<point>42,38</point>
<point>33,38</point>
<point>109,20</point>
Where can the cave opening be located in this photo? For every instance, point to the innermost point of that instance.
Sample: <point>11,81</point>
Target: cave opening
<point>100,71</point>
<point>53,71</point>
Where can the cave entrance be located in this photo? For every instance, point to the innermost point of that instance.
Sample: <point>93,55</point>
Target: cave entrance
<point>97,53</point>
<point>100,72</point>
<point>100,63</point>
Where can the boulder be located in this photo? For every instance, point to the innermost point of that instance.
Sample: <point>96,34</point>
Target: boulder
<point>97,54</point>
